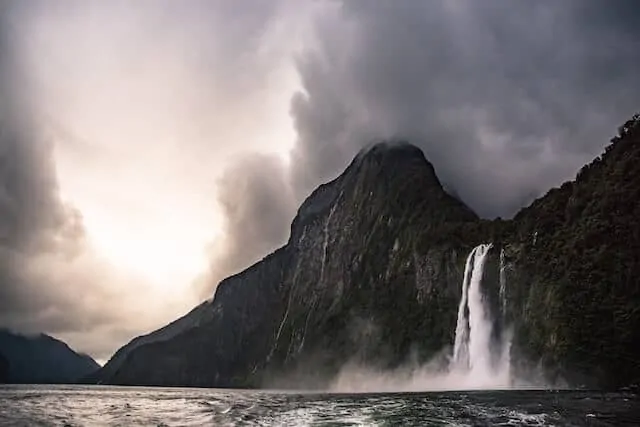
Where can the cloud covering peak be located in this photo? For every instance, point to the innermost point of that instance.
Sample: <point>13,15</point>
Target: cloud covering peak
<point>505,100</point>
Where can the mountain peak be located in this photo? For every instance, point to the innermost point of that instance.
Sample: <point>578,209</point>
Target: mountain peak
<point>395,160</point>
<point>372,274</point>
<point>391,153</point>
<point>395,168</point>
<point>388,147</point>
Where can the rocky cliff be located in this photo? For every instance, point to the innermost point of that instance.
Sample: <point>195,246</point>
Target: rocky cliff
<point>40,359</point>
<point>372,272</point>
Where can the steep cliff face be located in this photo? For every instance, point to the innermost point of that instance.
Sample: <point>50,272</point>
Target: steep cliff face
<point>372,273</point>
<point>227,347</point>
<point>363,283</point>
<point>199,315</point>
<point>357,278</point>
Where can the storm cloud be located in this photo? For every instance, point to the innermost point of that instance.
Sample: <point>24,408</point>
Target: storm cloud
<point>253,225</point>
<point>118,99</point>
<point>36,227</point>
<point>507,99</point>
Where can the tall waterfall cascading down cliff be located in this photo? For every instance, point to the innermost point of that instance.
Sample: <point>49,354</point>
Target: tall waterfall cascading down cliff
<point>476,356</point>
<point>482,346</point>
<point>365,293</point>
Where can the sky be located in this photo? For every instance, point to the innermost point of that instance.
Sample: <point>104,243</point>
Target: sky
<point>149,149</point>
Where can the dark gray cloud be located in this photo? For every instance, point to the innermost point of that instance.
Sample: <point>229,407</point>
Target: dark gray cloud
<point>257,202</point>
<point>506,99</point>
<point>159,87</point>
<point>50,280</point>
<point>33,220</point>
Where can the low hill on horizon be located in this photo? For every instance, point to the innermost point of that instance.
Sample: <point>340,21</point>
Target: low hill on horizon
<point>40,359</point>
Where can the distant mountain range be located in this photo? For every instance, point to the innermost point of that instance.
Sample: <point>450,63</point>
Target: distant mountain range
<point>40,359</point>
<point>372,272</point>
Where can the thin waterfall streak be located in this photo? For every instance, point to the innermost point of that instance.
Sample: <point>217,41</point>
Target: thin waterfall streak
<point>325,244</point>
<point>323,262</point>
<point>506,332</point>
<point>284,318</point>
<point>503,285</point>
<point>286,313</point>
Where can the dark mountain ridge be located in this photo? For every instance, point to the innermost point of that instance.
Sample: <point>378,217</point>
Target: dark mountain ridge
<point>41,359</point>
<point>372,272</point>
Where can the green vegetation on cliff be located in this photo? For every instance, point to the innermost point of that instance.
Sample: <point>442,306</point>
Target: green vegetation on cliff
<point>578,268</point>
<point>372,273</point>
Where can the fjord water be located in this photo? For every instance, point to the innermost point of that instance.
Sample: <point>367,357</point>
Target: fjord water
<point>132,406</point>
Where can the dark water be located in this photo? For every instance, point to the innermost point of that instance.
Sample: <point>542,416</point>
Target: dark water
<point>127,406</point>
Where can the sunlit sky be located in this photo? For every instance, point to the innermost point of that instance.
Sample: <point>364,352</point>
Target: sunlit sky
<point>143,129</point>
<point>147,107</point>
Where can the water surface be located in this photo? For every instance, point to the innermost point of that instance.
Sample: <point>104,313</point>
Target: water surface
<point>98,405</point>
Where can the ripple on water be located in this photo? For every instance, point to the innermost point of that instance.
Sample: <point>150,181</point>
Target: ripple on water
<point>97,405</point>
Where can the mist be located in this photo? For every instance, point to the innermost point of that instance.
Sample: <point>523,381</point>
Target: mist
<point>432,376</point>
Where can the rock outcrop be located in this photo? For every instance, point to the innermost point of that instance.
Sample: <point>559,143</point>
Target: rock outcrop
<point>372,272</point>
<point>41,359</point>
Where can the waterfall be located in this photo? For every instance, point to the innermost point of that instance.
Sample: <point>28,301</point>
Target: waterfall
<point>503,285</point>
<point>461,345</point>
<point>481,358</point>
<point>473,354</point>
<point>325,243</point>
<point>479,322</point>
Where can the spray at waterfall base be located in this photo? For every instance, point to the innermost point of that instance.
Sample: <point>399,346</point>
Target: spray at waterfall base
<point>481,354</point>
